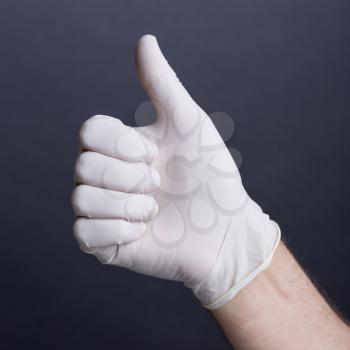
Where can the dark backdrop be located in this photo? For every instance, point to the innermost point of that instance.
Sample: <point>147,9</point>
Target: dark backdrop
<point>280,68</point>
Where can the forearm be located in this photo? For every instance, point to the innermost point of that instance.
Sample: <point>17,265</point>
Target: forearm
<point>281,309</point>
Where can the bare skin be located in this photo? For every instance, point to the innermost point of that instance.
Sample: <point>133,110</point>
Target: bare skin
<point>281,309</point>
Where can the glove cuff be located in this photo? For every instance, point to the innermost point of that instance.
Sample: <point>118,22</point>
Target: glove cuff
<point>242,257</point>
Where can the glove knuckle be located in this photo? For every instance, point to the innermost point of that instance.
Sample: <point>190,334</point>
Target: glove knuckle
<point>150,178</point>
<point>87,131</point>
<point>93,126</point>
<point>83,165</point>
<point>79,199</point>
<point>141,207</point>
<point>143,168</point>
<point>78,229</point>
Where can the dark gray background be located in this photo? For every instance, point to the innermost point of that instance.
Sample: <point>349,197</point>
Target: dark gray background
<point>280,68</point>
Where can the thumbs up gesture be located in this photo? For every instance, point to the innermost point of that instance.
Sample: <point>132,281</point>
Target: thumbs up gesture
<point>167,200</point>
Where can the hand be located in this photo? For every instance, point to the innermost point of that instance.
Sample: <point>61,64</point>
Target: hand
<point>167,199</point>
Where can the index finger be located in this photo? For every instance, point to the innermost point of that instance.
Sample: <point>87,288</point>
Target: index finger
<point>109,136</point>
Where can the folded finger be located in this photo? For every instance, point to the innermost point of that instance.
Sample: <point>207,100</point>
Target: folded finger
<point>98,203</point>
<point>92,233</point>
<point>98,170</point>
<point>112,138</point>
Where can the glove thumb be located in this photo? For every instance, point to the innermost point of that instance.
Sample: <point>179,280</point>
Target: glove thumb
<point>159,80</point>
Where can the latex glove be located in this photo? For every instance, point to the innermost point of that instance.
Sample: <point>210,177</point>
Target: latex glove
<point>208,233</point>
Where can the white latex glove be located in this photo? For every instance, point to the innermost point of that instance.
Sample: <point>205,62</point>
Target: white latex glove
<point>167,200</point>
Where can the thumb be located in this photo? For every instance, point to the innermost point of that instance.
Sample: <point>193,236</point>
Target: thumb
<point>158,78</point>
